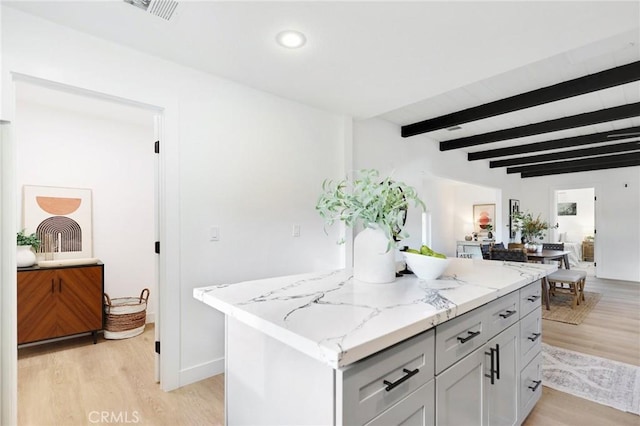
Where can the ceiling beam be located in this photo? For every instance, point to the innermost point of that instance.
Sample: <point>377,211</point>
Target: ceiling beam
<point>578,86</point>
<point>579,120</point>
<point>615,135</point>
<point>575,169</point>
<point>574,153</point>
<point>593,163</point>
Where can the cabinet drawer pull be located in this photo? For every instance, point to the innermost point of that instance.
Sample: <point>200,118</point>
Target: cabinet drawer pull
<point>507,314</point>
<point>535,387</point>
<point>471,335</point>
<point>409,373</point>
<point>533,298</point>
<point>534,337</point>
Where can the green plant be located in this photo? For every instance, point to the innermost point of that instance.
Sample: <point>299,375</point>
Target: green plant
<point>28,240</point>
<point>530,228</point>
<point>370,201</point>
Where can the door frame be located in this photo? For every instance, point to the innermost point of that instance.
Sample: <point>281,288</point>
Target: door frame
<point>168,229</point>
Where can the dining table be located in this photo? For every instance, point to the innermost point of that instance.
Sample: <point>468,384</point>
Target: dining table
<point>545,256</point>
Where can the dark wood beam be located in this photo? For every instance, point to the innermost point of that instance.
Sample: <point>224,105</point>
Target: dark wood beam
<point>556,144</point>
<point>578,86</point>
<point>576,168</point>
<point>579,120</point>
<point>592,163</point>
<point>574,153</point>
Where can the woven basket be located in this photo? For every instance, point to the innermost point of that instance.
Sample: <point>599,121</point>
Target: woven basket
<point>125,316</point>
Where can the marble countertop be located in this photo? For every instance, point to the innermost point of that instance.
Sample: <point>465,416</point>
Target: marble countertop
<point>338,320</point>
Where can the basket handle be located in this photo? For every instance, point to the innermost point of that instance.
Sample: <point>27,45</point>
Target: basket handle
<point>107,302</point>
<point>142,295</point>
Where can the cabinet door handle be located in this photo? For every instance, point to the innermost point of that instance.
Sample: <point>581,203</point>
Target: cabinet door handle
<point>535,387</point>
<point>534,337</point>
<point>533,298</point>
<point>492,370</point>
<point>497,361</point>
<point>408,374</point>
<point>507,314</point>
<point>471,335</point>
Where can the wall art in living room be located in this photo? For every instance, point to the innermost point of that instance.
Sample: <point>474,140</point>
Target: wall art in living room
<point>62,219</point>
<point>567,209</point>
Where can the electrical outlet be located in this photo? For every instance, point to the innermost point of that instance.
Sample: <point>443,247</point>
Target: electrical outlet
<point>296,231</point>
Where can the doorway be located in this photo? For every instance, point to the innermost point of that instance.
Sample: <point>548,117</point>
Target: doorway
<point>68,138</point>
<point>575,215</point>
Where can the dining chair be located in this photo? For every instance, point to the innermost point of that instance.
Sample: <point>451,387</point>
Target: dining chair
<point>508,255</point>
<point>520,255</point>
<point>514,246</point>
<point>555,246</point>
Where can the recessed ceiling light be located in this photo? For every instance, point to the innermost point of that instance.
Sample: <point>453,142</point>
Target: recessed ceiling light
<point>291,39</point>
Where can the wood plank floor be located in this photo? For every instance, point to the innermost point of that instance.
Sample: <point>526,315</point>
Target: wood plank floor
<point>73,382</point>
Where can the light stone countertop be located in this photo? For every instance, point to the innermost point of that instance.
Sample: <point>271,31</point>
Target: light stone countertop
<point>333,318</point>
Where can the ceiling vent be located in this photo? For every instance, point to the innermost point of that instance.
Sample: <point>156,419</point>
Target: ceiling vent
<point>165,9</point>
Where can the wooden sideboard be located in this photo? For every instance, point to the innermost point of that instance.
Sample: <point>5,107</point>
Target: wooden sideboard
<point>587,251</point>
<point>62,301</point>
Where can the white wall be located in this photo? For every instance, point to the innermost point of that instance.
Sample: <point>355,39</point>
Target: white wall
<point>233,157</point>
<point>67,146</point>
<point>617,252</point>
<point>446,182</point>
<point>377,144</point>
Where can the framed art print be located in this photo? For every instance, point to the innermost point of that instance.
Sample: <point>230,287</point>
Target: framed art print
<point>61,218</point>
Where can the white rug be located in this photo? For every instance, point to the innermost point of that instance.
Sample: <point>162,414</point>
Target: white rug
<point>597,379</point>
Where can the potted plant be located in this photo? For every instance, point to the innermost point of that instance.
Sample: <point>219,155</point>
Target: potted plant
<point>25,255</point>
<point>531,229</point>
<point>378,205</point>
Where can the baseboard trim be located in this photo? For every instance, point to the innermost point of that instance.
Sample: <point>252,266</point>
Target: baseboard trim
<point>201,371</point>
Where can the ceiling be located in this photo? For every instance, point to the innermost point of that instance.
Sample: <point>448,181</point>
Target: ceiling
<point>402,61</point>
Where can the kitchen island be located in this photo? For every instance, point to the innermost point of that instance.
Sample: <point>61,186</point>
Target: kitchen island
<point>322,348</point>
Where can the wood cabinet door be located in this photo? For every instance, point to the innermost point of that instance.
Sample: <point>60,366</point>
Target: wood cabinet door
<point>79,294</point>
<point>37,317</point>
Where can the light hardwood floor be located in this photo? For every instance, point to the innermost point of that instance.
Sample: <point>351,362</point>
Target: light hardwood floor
<point>74,382</point>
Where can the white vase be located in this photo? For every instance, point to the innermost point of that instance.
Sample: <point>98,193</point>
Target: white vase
<point>25,256</point>
<point>372,262</point>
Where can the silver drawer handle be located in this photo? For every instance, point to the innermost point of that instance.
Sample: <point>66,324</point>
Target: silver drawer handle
<point>409,373</point>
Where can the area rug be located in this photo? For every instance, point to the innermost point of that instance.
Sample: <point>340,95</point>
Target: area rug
<point>600,380</point>
<point>560,308</point>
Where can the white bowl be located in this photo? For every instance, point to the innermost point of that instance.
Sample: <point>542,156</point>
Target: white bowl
<point>426,267</point>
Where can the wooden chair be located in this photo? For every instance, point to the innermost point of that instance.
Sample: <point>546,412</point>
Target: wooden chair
<point>515,246</point>
<point>575,281</point>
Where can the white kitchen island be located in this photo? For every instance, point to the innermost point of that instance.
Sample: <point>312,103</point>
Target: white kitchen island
<point>322,349</point>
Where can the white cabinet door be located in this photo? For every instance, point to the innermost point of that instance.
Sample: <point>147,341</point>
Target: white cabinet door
<point>501,399</point>
<point>482,388</point>
<point>459,392</point>
<point>415,410</point>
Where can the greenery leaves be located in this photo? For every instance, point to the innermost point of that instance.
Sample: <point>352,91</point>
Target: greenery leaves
<point>530,228</point>
<point>28,240</point>
<point>370,201</point>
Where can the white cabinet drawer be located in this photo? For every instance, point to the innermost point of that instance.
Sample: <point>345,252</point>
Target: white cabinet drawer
<point>530,298</point>
<point>502,313</point>
<point>530,336</point>
<point>415,410</point>
<point>530,386</point>
<point>458,337</point>
<point>371,386</point>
